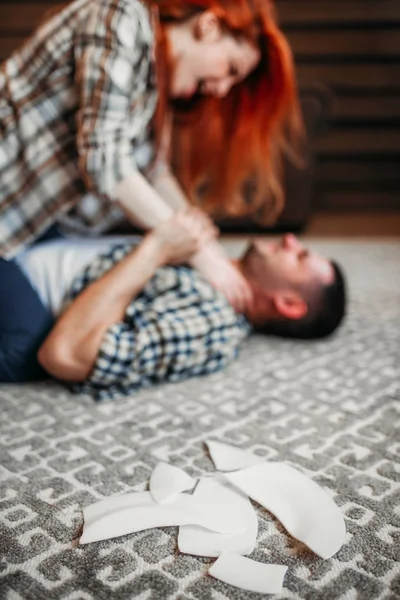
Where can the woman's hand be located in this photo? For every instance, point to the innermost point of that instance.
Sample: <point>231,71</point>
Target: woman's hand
<point>235,287</point>
<point>218,270</point>
<point>182,236</point>
<point>228,280</point>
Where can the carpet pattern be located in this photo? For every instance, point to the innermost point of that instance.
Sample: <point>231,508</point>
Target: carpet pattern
<point>329,408</point>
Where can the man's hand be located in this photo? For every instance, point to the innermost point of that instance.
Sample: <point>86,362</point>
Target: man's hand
<point>182,236</point>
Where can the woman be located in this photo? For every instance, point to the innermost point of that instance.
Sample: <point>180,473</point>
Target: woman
<point>87,105</point>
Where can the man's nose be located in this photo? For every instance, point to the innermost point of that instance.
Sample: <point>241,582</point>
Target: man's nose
<point>290,242</point>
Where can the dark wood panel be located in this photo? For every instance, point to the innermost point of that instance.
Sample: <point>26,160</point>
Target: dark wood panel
<point>359,173</point>
<point>334,44</point>
<point>354,47</point>
<point>350,77</point>
<point>306,44</point>
<point>358,201</point>
<point>25,16</point>
<point>367,109</point>
<point>8,44</point>
<point>22,16</point>
<point>334,12</point>
<point>355,141</point>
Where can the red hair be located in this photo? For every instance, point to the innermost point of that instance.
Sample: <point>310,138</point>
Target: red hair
<point>225,144</point>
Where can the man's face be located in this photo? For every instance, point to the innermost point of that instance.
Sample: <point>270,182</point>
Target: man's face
<point>288,265</point>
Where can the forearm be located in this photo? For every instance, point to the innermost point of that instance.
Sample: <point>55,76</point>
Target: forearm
<point>168,187</point>
<point>71,349</point>
<point>212,254</point>
<point>142,203</point>
<point>145,206</point>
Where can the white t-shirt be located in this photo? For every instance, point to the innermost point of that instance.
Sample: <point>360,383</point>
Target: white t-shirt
<point>52,266</point>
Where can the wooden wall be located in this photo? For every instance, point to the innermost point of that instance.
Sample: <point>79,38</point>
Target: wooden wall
<point>351,45</point>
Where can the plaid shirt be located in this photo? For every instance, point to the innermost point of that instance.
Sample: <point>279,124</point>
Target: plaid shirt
<point>177,327</point>
<point>76,104</point>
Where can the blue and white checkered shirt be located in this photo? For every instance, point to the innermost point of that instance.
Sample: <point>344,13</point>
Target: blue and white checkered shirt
<point>179,326</point>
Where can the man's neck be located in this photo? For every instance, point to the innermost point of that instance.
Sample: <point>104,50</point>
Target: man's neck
<point>252,311</point>
<point>249,311</point>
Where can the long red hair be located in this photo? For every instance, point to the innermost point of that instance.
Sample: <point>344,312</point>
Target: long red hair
<point>228,152</point>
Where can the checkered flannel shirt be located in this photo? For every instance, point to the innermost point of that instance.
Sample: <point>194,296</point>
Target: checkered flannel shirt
<point>178,327</point>
<point>76,104</point>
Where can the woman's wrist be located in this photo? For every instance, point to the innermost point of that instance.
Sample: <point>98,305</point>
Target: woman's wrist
<point>153,249</point>
<point>210,254</point>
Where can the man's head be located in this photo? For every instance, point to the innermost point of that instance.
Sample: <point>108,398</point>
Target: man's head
<point>297,293</point>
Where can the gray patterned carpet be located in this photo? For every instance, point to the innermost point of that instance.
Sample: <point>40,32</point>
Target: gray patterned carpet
<point>331,409</point>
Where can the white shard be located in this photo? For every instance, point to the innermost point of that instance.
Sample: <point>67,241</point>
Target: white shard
<point>306,511</point>
<point>220,497</point>
<point>230,458</point>
<point>248,574</point>
<point>167,481</point>
<point>128,513</point>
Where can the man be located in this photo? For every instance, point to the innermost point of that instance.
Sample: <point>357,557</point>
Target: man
<point>134,320</point>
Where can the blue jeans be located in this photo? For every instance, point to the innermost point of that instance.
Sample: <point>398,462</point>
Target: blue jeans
<point>24,323</point>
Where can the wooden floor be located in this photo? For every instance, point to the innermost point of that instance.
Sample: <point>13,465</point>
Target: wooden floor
<point>326,227</point>
<point>354,225</point>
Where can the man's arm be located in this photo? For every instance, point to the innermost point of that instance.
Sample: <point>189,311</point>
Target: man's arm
<point>70,351</point>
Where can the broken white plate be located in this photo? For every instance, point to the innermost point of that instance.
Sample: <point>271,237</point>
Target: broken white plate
<point>306,511</point>
<point>220,497</point>
<point>167,481</point>
<point>230,458</point>
<point>248,574</point>
<point>128,513</point>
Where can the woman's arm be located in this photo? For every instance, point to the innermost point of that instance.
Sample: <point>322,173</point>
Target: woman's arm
<point>109,53</point>
<point>141,202</point>
<point>166,184</point>
<point>71,349</point>
<point>145,207</point>
<point>113,55</point>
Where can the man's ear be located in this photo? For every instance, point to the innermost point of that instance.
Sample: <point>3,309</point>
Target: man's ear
<point>290,304</point>
<point>208,28</point>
